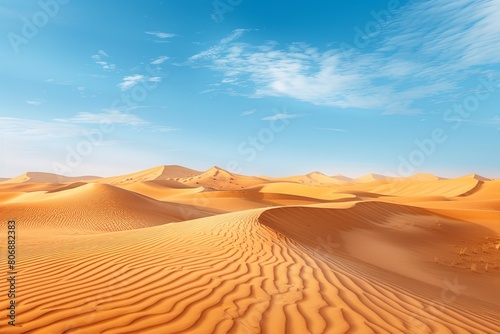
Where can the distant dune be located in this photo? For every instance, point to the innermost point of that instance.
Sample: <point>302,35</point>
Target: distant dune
<point>315,178</point>
<point>174,250</point>
<point>425,177</point>
<point>32,177</point>
<point>371,178</point>
<point>157,173</point>
<point>95,207</point>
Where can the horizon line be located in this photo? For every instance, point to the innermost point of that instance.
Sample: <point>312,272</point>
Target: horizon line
<point>6,178</point>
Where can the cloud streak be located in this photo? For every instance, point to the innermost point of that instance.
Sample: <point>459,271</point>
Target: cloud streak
<point>115,117</point>
<point>130,81</point>
<point>160,34</point>
<point>248,112</point>
<point>100,59</point>
<point>109,116</point>
<point>279,116</point>
<point>133,80</point>
<point>408,62</point>
<point>35,129</point>
<point>160,60</point>
<point>34,102</point>
<point>161,37</point>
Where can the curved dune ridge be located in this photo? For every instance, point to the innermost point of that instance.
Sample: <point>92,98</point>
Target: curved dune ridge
<point>173,250</point>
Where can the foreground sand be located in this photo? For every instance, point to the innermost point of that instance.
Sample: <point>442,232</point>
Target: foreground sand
<point>172,250</point>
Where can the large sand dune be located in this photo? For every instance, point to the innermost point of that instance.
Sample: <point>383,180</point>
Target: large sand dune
<point>173,250</point>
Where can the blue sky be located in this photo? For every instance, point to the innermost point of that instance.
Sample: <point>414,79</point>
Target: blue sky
<point>255,87</point>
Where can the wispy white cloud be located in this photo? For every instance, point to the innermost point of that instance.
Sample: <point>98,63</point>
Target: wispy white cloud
<point>162,37</point>
<point>34,102</point>
<point>485,121</point>
<point>102,53</point>
<point>109,116</point>
<point>216,50</point>
<point>279,116</point>
<point>159,60</point>
<point>206,91</point>
<point>35,129</point>
<point>130,81</point>
<point>248,112</point>
<point>100,59</point>
<point>237,33</point>
<point>457,34</point>
<point>116,117</point>
<point>133,80</point>
<point>160,34</point>
<point>429,50</point>
<point>57,82</point>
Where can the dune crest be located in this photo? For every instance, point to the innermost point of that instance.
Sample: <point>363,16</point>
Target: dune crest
<point>171,172</point>
<point>372,178</point>
<point>476,177</point>
<point>425,177</point>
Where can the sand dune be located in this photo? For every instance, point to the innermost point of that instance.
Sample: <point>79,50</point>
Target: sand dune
<point>29,187</point>
<point>215,177</point>
<point>476,177</point>
<point>173,250</point>
<point>161,189</point>
<point>315,178</point>
<point>94,207</point>
<point>157,173</point>
<point>372,177</point>
<point>220,179</point>
<point>447,188</point>
<point>322,193</point>
<point>252,198</point>
<point>231,274</point>
<point>425,177</point>
<point>484,191</point>
<point>35,177</point>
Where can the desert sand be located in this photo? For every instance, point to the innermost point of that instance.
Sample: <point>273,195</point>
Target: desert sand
<point>175,250</point>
